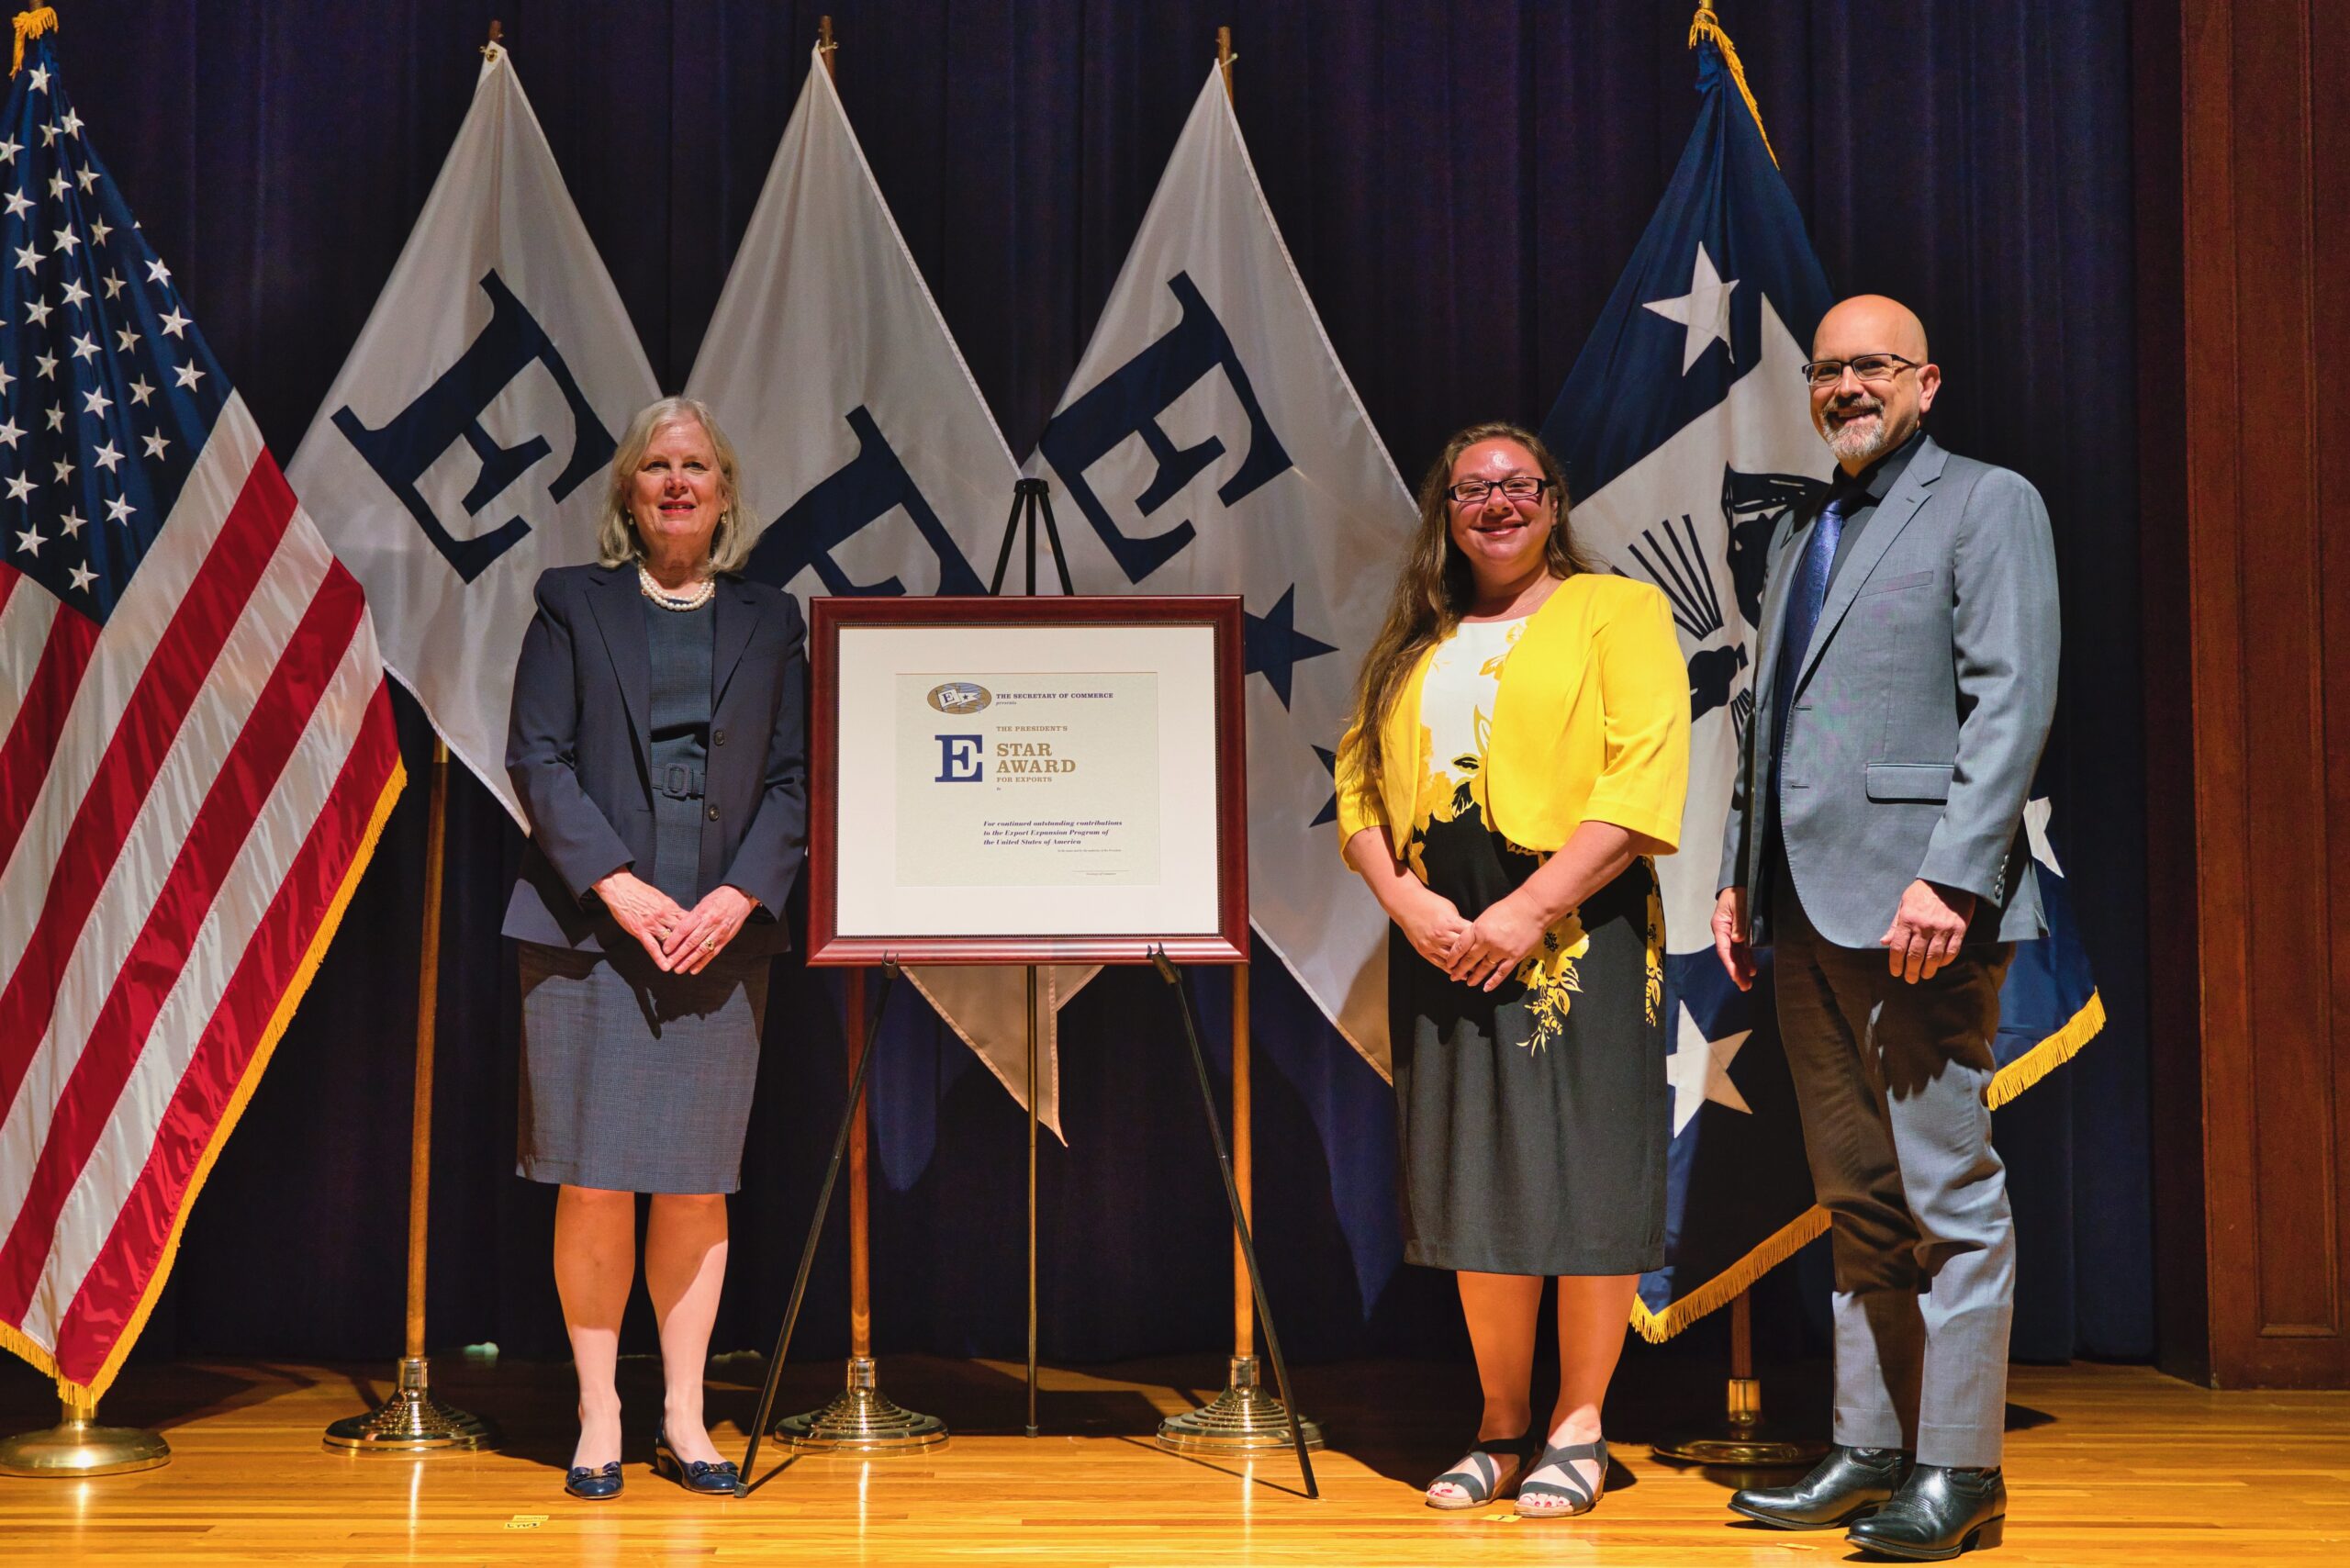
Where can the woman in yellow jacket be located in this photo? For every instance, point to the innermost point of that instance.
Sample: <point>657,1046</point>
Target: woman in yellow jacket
<point>1520,750</point>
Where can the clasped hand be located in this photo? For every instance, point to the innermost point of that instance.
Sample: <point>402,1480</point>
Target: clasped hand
<point>679,940</point>
<point>1481,952</point>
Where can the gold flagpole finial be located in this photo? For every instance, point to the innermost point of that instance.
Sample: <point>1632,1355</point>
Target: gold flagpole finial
<point>1707,26</point>
<point>32,25</point>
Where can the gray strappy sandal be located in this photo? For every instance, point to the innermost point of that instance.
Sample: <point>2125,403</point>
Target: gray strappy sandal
<point>1579,1499</point>
<point>1480,1476</point>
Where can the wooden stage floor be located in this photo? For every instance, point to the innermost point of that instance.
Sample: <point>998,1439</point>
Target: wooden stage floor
<point>2106,1465</point>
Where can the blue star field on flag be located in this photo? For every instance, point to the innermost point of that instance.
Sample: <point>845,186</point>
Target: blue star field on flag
<point>107,391</point>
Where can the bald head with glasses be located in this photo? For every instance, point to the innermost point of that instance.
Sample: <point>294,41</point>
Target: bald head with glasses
<point>1870,379</point>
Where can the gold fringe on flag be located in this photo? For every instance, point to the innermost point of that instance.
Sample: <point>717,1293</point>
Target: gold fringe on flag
<point>2011,1080</point>
<point>329,921</point>
<point>1705,25</point>
<point>32,25</point>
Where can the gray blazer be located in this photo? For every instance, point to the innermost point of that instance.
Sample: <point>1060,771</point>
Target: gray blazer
<point>1918,711</point>
<point>579,738</point>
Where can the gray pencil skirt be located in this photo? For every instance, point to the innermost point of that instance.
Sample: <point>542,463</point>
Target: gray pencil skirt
<point>635,1081</point>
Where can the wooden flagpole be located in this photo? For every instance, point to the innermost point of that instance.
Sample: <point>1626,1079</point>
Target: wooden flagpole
<point>861,1418</point>
<point>412,1421</point>
<point>1243,1417</point>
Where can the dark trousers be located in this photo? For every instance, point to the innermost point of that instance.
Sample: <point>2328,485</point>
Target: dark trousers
<point>1891,1078</point>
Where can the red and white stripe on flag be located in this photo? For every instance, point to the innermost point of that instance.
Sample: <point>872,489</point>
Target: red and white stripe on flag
<point>189,793</point>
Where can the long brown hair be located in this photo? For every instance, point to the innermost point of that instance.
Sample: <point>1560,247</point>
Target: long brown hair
<point>1434,588</point>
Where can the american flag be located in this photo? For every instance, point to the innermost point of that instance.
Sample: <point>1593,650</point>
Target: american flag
<point>197,750</point>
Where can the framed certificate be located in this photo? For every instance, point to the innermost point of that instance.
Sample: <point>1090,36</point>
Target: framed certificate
<point>1027,781</point>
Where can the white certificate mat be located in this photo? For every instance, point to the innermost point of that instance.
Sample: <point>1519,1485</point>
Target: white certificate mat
<point>1026,780</point>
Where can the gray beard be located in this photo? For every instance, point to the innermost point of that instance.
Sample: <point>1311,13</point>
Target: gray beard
<point>1859,443</point>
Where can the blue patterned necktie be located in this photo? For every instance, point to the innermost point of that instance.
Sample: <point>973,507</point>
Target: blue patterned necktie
<point>1809,592</point>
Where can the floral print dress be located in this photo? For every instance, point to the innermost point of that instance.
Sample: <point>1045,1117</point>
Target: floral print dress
<point>1532,1118</point>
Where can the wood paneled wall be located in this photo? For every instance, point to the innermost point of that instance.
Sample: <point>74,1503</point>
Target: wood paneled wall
<point>2252,919</point>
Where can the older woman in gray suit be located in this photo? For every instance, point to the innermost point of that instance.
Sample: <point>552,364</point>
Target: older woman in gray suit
<point>656,744</point>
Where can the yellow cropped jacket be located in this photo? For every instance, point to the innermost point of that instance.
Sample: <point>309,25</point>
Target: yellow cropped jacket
<point>1591,724</point>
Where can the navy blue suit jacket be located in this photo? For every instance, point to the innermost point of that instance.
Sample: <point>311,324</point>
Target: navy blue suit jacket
<point>577,750</point>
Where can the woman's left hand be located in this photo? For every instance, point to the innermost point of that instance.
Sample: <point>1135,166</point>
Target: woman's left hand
<point>1496,943</point>
<point>706,929</point>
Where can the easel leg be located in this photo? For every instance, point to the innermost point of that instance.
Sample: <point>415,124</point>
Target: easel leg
<point>816,1223</point>
<point>1033,1031</point>
<point>1173,977</point>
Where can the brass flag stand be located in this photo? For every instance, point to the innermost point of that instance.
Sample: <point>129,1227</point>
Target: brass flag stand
<point>1244,1418</point>
<point>1743,1439</point>
<point>849,1114</point>
<point>861,1418</point>
<point>77,1447</point>
<point>412,1421</point>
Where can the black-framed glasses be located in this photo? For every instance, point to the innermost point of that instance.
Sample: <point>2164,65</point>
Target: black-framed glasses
<point>1516,488</point>
<point>1876,367</point>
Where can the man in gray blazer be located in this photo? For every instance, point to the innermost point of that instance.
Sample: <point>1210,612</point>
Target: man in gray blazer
<point>1905,680</point>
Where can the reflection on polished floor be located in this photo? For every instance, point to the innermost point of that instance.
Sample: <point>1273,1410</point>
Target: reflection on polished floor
<point>2106,1465</point>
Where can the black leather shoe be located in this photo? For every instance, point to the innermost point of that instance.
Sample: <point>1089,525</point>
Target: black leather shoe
<point>1938,1513</point>
<point>720,1479</point>
<point>595,1485</point>
<point>1847,1484</point>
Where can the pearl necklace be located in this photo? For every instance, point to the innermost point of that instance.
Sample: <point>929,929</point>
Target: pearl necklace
<point>693,598</point>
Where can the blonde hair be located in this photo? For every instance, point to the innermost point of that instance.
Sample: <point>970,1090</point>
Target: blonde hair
<point>616,543</point>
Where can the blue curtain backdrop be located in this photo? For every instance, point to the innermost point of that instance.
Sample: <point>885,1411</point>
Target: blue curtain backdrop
<point>1460,184</point>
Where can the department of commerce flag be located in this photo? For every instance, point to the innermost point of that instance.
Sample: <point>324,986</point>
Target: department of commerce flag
<point>464,447</point>
<point>1209,443</point>
<point>1684,429</point>
<point>196,750</point>
<point>869,458</point>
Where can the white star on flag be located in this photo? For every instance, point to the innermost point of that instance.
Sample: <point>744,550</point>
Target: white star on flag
<point>1698,1070</point>
<point>2035,827</point>
<point>1705,310</point>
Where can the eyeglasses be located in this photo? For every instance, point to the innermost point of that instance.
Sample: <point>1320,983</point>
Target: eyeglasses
<point>1516,488</point>
<point>1877,367</point>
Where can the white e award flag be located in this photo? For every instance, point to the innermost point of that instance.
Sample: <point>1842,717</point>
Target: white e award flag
<point>463,448</point>
<point>869,458</point>
<point>1209,443</point>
